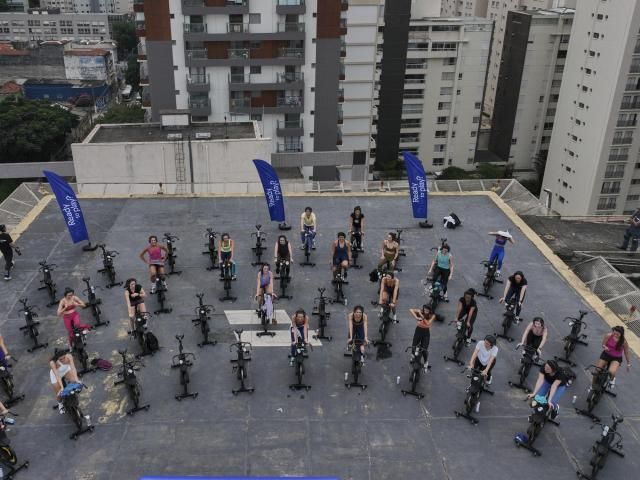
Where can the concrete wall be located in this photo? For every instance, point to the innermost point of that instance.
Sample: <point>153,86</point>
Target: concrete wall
<point>86,67</point>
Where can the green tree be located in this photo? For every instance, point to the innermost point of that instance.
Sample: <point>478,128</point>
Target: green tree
<point>453,173</point>
<point>124,33</point>
<point>489,170</point>
<point>132,75</point>
<point>32,130</point>
<point>4,7</point>
<point>123,114</point>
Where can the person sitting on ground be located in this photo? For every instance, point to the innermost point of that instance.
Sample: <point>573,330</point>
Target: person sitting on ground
<point>341,256</point>
<point>422,334</point>
<point>389,290</point>
<point>467,311</point>
<point>308,223</point>
<point>516,287</point>
<point>299,328</point>
<point>551,384</point>
<point>632,233</point>
<point>442,268</point>
<point>61,366</point>
<point>484,357</point>
<point>70,316</point>
<point>358,323</point>
<point>134,296</point>
<point>535,335</point>
<point>613,346</point>
<point>157,254</point>
<point>497,253</point>
<point>389,252</point>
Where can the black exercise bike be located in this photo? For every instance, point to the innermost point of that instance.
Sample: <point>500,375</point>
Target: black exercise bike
<point>529,359</point>
<point>357,362</point>
<point>47,281</point>
<point>434,291</point>
<point>6,380</point>
<point>71,403</point>
<point>477,386</point>
<point>401,252</point>
<point>183,361</point>
<point>266,317</point>
<point>8,457</point>
<point>600,385</point>
<point>203,311</point>
<point>161,294</point>
<point>459,342</point>
<point>140,332</point>
<point>355,238</point>
<point>610,440</point>
<point>307,245</point>
<point>575,337</point>
<point>283,272</point>
<point>212,249</point>
<point>540,415</point>
<point>490,278</point>
<point>31,328</point>
<point>298,363</point>
<point>170,240</point>
<point>257,250</point>
<point>107,265</point>
<point>383,346</point>
<point>509,318</point>
<point>227,278</point>
<point>79,350</point>
<point>339,281</point>
<point>320,309</point>
<point>93,302</point>
<point>243,355</point>
<point>127,376</point>
<point>417,364</point>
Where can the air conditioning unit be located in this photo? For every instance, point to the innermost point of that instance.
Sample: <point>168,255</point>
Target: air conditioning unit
<point>174,136</point>
<point>203,135</point>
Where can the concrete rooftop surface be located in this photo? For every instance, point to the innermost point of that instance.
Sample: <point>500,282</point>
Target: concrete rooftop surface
<point>376,434</point>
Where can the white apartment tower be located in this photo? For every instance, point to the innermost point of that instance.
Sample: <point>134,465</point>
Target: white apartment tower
<point>89,6</point>
<point>529,82</point>
<point>592,167</point>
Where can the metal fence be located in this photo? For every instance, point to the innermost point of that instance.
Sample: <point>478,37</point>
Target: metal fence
<point>616,291</point>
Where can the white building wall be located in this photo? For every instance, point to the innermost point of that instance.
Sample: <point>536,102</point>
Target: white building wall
<point>582,144</point>
<point>85,67</point>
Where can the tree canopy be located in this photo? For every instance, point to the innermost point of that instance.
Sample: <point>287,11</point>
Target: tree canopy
<point>123,114</point>
<point>124,33</point>
<point>4,6</point>
<point>32,130</point>
<point>132,75</point>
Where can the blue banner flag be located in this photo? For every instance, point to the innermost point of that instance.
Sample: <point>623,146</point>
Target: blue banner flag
<point>417,184</point>
<point>272,190</point>
<point>69,206</point>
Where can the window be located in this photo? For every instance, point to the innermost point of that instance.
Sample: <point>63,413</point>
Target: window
<point>615,170</point>
<point>441,134</point>
<point>474,133</point>
<point>633,198</point>
<point>635,181</point>
<point>255,69</point>
<point>257,117</point>
<point>449,61</point>
<point>438,162</point>
<point>443,46</point>
<point>448,76</point>
<point>606,203</point>
<point>410,123</point>
<point>254,18</point>
<point>412,108</point>
<point>442,120</point>
<point>476,120</point>
<point>514,141</point>
<point>610,187</point>
<point>444,106</point>
<point>446,90</point>
<point>440,147</point>
<point>477,105</point>
<point>416,63</point>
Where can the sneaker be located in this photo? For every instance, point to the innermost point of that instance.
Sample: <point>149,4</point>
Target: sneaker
<point>7,276</point>
<point>498,273</point>
<point>489,379</point>
<point>61,410</point>
<point>445,297</point>
<point>612,383</point>
<point>233,277</point>
<point>301,247</point>
<point>468,341</point>
<point>554,412</point>
<point>164,284</point>
<point>394,316</point>
<point>278,270</point>
<point>291,362</point>
<point>313,246</point>
<point>153,289</point>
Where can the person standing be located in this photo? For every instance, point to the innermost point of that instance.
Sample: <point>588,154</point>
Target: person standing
<point>497,253</point>
<point>632,233</point>
<point>7,247</point>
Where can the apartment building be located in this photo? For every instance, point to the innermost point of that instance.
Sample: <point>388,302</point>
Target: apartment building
<point>431,87</point>
<point>464,8</point>
<point>593,166</point>
<point>533,58</point>
<point>89,6</point>
<point>304,69</point>
<point>43,25</point>
<point>17,5</point>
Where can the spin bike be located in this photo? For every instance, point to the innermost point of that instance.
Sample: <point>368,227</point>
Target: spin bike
<point>401,252</point>
<point>243,352</point>
<point>8,457</point>
<point>47,282</point>
<point>610,441</point>
<point>79,350</point>
<point>71,403</point>
<point>211,250</point>
<point>170,240</point>
<point>93,302</point>
<point>161,292</point>
<point>357,362</point>
<point>339,281</point>
<point>320,309</point>
<point>384,347</point>
<point>284,267</point>
<point>417,365</point>
<point>307,245</point>
<point>298,362</point>
<point>509,318</point>
<point>183,361</point>
<point>575,336</point>
<point>540,415</point>
<point>6,380</point>
<point>261,237</point>
<point>107,265</point>
<point>490,278</point>
<point>477,386</point>
<point>460,341</point>
<point>267,315</point>
<point>140,330</point>
<point>227,278</point>
<point>600,385</point>
<point>433,291</point>
<point>529,359</point>
<point>31,328</point>
<point>203,311</point>
<point>128,374</point>
<point>356,247</point>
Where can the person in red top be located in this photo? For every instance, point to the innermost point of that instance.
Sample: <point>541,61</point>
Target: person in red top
<point>157,255</point>
<point>614,345</point>
<point>70,316</point>
<point>422,334</point>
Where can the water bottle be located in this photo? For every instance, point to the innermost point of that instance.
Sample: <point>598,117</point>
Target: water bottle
<point>605,430</point>
<point>573,400</point>
<point>9,421</point>
<point>88,419</point>
<point>478,407</point>
<point>346,376</point>
<point>398,380</point>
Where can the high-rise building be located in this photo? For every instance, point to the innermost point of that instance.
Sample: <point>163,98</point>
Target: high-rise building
<point>304,69</point>
<point>592,166</point>
<point>439,119</point>
<point>533,57</point>
<point>18,5</point>
<point>466,8</point>
<point>89,6</point>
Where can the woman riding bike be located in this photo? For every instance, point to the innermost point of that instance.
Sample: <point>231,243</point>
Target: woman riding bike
<point>61,366</point>
<point>551,384</point>
<point>356,225</point>
<point>442,268</point>
<point>358,323</point>
<point>70,316</point>
<point>389,291</point>
<point>134,296</point>
<point>614,345</point>
<point>467,311</point>
<point>225,252</point>
<point>299,328</point>
<point>516,287</point>
<point>535,335</point>
<point>264,285</point>
<point>389,252</point>
<point>157,255</point>
<point>308,222</point>
<point>497,253</point>
<point>282,253</point>
<point>422,333</point>
<point>340,255</point>
<point>484,357</point>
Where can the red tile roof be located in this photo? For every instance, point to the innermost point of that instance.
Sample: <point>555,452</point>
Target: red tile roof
<point>92,52</point>
<point>10,88</point>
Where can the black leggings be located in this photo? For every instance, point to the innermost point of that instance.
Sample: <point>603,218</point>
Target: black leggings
<point>479,366</point>
<point>463,318</point>
<point>8,259</point>
<point>421,337</point>
<point>442,274</point>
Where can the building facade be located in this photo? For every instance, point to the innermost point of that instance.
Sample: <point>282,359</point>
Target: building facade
<point>89,64</point>
<point>89,6</point>
<point>529,81</point>
<point>592,166</point>
<point>438,119</point>
<point>305,70</point>
<point>43,25</point>
<point>18,5</point>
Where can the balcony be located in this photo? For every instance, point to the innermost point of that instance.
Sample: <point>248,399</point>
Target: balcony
<point>626,123</point>
<point>138,6</point>
<point>243,57</point>
<point>339,139</point>
<point>290,77</point>
<point>343,49</point>
<point>146,97</point>
<point>340,115</point>
<point>195,28</point>
<point>141,28</point>
<point>622,140</point>
<point>142,51</point>
<point>215,7</point>
<point>341,95</point>
<point>291,53</point>
<point>635,67</point>
<point>198,83</point>
<point>344,5</point>
<point>290,128</point>
<point>615,174</point>
<point>282,81</point>
<point>236,31</point>
<point>237,27</point>
<point>290,147</point>
<point>410,139</point>
<point>200,107</point>
<point>343,26</point>
<point>290,7</point>
<point>613,190</point>
<point>630,105</point>
<point>291,27</point>
<point>343,70</point>
<point>238,53</point>
<point>254,105</point>
<point>618,158</point>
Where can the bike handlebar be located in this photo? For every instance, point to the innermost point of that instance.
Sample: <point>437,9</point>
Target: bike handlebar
<point>576,320</point>
<point>168,236</point>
